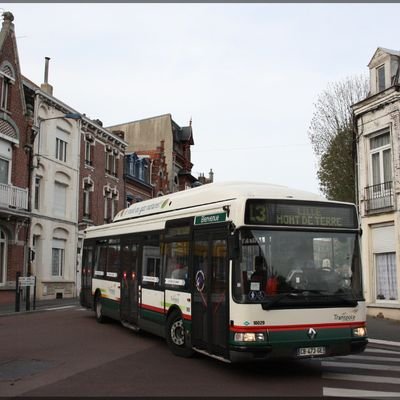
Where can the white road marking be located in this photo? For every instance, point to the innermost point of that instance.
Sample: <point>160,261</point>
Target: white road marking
<point>382,351</point>
<point>387,342</point>
<point>58,308</point>
<point>370,358</point>
<point>361,378</point>
<point>376,367</point>
<point>339,392</point>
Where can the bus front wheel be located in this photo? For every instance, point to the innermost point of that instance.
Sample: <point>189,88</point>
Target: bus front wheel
<point>176,338</point>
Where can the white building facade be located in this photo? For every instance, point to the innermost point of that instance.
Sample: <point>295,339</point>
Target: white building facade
<point>377,138</point>
<point>54,200</point>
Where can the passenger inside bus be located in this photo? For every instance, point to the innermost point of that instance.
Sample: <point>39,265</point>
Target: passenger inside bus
<point>260,274</point>
<point>268,283</point>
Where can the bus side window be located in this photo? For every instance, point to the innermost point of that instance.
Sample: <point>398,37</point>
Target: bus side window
<point>101,259</point>
<point>176,264</point>
<point>151,266</point>
<point>113,259</point>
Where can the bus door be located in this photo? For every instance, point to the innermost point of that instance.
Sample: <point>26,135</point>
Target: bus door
<point>210,292</point>
<point>129,283</point>
<point>87,274</point>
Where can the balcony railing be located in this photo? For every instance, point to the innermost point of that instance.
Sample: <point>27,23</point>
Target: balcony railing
<point>380,196</point>
<point>13,197</point>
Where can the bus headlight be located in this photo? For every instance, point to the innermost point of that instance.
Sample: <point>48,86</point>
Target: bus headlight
<point>360,331</point>
<point>249,337</point>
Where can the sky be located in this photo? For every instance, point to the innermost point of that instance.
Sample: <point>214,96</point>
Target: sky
<point>247,75</point>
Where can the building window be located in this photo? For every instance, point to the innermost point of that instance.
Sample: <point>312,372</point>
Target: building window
<point>61,150</point>
<point>36,204</point>
<point>88,187</point>
<point>380,193</point>
<point>4,171</point>
<point>58,257</point>
<point>114,204</point>
<point>111,163</point>
<point>5,90</point>
<point>86,201</point>
<point>381,159</point>
<point>88,153</point>
<point>386,277</point>
<point>380,71</point>
<point>3,257</point>
<point>107,211</point>
<point>60,199</point>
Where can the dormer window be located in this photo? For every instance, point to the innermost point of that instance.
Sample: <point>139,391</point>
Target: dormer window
<point>380,74</point>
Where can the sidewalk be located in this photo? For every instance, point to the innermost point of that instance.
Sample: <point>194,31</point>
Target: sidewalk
<point>379,329</point>
<point>383,329</point>
<point>8,308</point>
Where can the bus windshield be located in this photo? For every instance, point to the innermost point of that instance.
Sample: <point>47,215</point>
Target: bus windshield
<point>297,268</point>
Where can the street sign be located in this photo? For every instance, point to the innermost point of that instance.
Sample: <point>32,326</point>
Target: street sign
<point>26,281</point>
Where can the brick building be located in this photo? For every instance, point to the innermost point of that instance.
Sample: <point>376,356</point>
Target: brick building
<point>165,142</point>
<point>101,193</point>
<point>14,159</point>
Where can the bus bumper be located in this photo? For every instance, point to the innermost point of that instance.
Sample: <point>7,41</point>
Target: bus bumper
<point>268,352</point>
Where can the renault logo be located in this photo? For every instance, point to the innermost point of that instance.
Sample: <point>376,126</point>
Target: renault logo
<point>312,333</point>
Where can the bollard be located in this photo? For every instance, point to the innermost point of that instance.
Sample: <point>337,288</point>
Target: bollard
<point>17,293</point>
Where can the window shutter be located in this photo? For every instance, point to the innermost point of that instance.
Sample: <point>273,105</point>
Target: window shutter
<point>383,239</point>
<point>60,199</point>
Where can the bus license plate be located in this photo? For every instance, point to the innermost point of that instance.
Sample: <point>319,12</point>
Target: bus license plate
<point>311,351</point>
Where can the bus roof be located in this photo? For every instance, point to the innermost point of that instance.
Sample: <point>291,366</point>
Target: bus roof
<point>213,193</point>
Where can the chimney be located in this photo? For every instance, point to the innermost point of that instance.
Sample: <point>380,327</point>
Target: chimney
<point>8,19</point>
<point>46,87</point>
<point>211,175</point>
<point>120,134</point>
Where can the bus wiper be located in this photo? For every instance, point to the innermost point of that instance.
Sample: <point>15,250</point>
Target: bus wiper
<point>349,302</point>
<point>278,298</point>
<point>304,294</point>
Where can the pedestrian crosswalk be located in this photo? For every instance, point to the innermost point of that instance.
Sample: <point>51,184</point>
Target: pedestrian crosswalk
<point>374,374</point>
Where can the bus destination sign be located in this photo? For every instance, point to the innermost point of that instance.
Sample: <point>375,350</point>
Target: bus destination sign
<point>210,218</point>
<point>296,213</point>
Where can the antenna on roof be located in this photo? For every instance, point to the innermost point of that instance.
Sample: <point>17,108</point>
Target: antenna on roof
<point>190,122</point>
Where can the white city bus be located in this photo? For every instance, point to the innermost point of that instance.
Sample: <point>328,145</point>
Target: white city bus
<point>237,271</point>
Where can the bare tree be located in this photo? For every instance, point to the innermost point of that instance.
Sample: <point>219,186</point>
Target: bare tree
<point>331,135</point>
<point>332,111</point>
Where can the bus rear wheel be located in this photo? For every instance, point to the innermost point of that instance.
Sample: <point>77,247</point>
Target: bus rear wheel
<point>98,309</point>
<point>176,338</point>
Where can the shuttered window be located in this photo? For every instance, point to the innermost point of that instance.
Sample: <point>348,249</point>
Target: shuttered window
<point>60,199</point>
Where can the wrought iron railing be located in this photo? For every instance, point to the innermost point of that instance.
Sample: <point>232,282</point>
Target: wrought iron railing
<point>379,196</point>
<point>14,197</point>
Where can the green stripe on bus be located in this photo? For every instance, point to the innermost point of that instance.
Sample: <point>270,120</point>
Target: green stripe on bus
<point>110,304</point>
<point>153,316</point>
